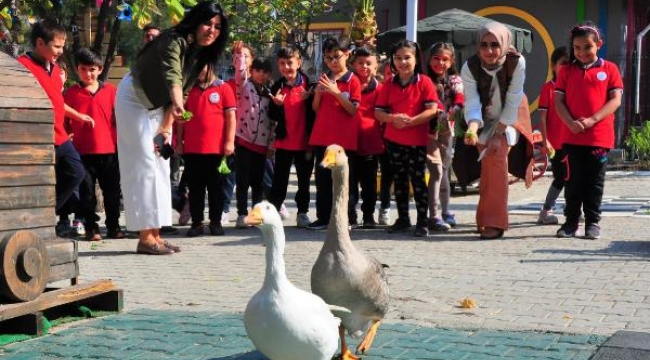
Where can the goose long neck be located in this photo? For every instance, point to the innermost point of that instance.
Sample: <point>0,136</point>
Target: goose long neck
<point>339,214</point>
<point>275,268</point>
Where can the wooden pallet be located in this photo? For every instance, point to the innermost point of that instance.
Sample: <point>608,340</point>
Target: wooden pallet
<point>27,317</point>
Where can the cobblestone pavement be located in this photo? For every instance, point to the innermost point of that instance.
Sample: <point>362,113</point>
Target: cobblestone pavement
<point>528,281</point>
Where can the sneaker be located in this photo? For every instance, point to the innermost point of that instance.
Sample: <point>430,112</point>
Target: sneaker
<point>225,218</point>
<point>284,213</point>
<point>317,225</point>
<point>78,225</point>
<point>185,215</point>
<point>216,229</point>
<point>399,226</point>
<point>63,229</point>
<point>168,230</point>
<point>592,231</point>
<point>449,219</point>
<point>303,220</point>
<point>241,222</point>
<point>567,230</point>
<point>546,217</point>
<point>384,216</point>
<point>420,231</point>
<point>436,224</point>
<point>195,230</point>
<point>92,233</point>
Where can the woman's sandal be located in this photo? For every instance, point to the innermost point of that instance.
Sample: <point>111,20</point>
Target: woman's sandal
<point>172,247</point>
<point>155,249</point>
<point>490,233</point>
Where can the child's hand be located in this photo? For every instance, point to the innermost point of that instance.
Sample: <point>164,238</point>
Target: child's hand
<point>87,119</point>
<point>327,85</point>
<point>237,47</point>
<point>229,148</point>
<point>588,123</point>
<point>548,149</point>
<point>278,98</point>
<point>576,127</point>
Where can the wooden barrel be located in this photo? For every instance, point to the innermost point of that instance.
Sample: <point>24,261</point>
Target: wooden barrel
<point>27,181</point>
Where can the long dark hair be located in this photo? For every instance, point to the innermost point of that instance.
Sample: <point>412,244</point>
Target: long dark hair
<point>200,13</point>
<point>586,29</point>
<point>433,50</point>
<point>406,44</point>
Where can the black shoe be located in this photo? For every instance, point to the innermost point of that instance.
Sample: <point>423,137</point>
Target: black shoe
<point>592,231</point>
<point>317,225</point>
<point>115,233</point>
<point>168,230</point>
<point>92,233</point>
<point>399,226</point>
<point>216,229</point>
<point>195,230</point>
<point>369,224</point>
<point>421,231</point>
<point>567,230</point>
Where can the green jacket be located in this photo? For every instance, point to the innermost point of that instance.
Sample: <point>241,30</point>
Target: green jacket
<point>163,62</point>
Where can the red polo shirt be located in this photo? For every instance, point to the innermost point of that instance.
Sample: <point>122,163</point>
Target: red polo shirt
<point>294,115</point>
<point>205,132</point>
<point>556,130</point>
<point>585,92</point>
<point>371,139</point>
<point>418,95</point>
<point>102,139</point>
<point>334,125</point>
<point>52,83</point>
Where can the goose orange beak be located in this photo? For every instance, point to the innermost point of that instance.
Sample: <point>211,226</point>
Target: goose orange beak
<point>254,217</point>
<point>329,159</point>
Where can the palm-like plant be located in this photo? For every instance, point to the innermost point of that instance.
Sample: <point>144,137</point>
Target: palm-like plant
<point>364,23</point>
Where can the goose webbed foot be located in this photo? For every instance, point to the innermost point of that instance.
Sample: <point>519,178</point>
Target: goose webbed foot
<point>364,346</point>
<point>346,354</point>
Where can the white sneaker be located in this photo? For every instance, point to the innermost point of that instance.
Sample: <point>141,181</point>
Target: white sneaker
<point>302,220</point>
<point>225,218</point>
<point>78,226</point>
<point>546,217</point>
<point>284,213</point>
<point>241,222</point>
<point>384,216</point>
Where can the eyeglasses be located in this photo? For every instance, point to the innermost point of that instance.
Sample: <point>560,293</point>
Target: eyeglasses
<point>332,58</point>
<point>492,45</point>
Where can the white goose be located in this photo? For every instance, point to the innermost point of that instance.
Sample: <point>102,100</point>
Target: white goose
<point>282,321</point>
<point>345,276</point>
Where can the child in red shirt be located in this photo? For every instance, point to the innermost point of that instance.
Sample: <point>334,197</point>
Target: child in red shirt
<point>48,40</point>
<point>406,104</point>
<point>587,93</point>
<point>291,110</point>
<point>203,142</point>
<point>371,142</point>
<point>96,144</point>
<point>335,102</point>
<point>552,129</point>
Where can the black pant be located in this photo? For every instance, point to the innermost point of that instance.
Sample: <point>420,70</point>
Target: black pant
<point>408,164</point>
<point>249,166</point>
<point>558,166</point>
<point>324,186</point>
<point>366,176</point>
<point>69,171</point>
<point>102,169</point>
<point>304,163</point>
<point>586,182</point>
<point>202,173</point>
<point>386,180</point>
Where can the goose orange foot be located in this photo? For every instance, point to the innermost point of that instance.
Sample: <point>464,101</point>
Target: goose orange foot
<point>364,346</point>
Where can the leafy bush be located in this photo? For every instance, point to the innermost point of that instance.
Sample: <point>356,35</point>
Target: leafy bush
<point>638,141</point>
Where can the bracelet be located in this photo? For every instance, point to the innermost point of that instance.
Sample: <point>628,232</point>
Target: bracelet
<point>163,131</point>
<point>469,134</point>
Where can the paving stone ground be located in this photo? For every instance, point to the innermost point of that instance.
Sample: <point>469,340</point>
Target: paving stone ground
<point>576,291</point>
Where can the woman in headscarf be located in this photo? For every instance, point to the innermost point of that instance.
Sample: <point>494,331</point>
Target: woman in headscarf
<point>493,82</point>
<point>149,99</point>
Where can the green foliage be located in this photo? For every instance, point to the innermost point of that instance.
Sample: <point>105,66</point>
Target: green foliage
<point>638,141</point>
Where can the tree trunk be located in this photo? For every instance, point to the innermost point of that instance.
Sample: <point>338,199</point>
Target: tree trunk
<point>110,52</point>
<point>102,19</point>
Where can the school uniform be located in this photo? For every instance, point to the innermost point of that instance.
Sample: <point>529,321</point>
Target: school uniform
<point>586,90</point>
<point>295,119</point>
<point>556,132</point>
<point>68,168</point>
<point>334,125</point>
<point>407,146</point>
<point>203,147</point>
<point>98,149</point>
<point>366,159</point>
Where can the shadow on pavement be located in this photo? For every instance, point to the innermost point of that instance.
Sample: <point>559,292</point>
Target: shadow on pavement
<point>616,251</point>
<point>254,355</point>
